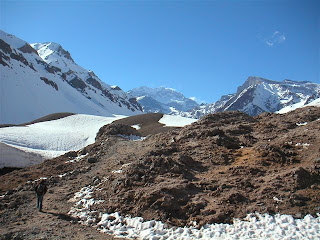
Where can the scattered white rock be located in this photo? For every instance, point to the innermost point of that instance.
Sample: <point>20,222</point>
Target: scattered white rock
<point>83,201</point>
<point>137,126</point>
<point>305,145</point>
<point>302,124</point>
<point>121,168</point>
<point>132,137</point>
<point>77,159</point>
<point>277,199</point>
<point>62,175</point>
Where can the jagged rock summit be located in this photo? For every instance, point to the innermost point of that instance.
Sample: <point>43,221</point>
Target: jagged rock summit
<point>164,100</point>
<point>42,78</point>
<point>51,51</point>
<point>258,95</point>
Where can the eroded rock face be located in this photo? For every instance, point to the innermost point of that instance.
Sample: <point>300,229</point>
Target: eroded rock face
<point>28,49</point>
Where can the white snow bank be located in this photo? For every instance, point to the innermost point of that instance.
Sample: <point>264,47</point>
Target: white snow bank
<point>254,226</point>
<point>14,157</point>
<point>50,139</point>
<point>176,121</point>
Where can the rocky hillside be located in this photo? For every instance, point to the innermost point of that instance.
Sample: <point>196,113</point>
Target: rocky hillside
<point>163,100</point>
<point>258,95</point>
<point>221,167</point>
<point>41,79</point>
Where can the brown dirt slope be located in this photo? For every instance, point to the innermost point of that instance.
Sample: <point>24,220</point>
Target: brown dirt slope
<point>223,166</point>
<point>19,218</point>
<point>148,123</point>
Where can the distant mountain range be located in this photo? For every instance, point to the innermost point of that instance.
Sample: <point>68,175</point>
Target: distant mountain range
<point>255,96</point>
<point>42,78</point>
<point>164,100</point>
<point>258,95</point>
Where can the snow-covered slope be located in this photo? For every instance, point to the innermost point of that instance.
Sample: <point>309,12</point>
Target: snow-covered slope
<point>164,100</point>
<point>29,145</point>
<point>258,95</point>
<point>42,80</point>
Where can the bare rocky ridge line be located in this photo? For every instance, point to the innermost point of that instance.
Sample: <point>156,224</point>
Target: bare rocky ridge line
<point>223,166</point>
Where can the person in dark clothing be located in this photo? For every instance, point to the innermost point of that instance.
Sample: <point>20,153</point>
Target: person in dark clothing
<point>40,189</point>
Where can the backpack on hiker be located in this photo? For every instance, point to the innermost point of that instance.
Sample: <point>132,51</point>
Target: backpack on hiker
<point>41,188</point>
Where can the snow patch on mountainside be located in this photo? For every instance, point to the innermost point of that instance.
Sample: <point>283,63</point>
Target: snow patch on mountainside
<point>315,103</point>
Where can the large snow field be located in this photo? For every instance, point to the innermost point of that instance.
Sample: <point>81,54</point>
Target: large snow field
<point>49,139</point>
<point>254,226</point>
<point>28,145</point>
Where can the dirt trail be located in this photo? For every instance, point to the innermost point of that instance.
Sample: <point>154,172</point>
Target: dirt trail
<point>21,220</point>
<point>53,223</point>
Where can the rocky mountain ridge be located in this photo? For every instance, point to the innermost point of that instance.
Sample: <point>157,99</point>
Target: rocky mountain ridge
<point>255,96</point>
<point>40,79</point>
<point>164,100</point>
<point>258,95</point>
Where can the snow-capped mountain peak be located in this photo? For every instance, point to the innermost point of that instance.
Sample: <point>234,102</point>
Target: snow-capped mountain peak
<point>41,79</point>
<point>51,51</point>
<point>162,99</point>
<point>257,95</point>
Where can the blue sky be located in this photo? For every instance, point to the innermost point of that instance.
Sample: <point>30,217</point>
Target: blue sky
<point>203,49</point>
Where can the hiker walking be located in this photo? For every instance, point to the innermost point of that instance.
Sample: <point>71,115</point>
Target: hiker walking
<point>40,189</point>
